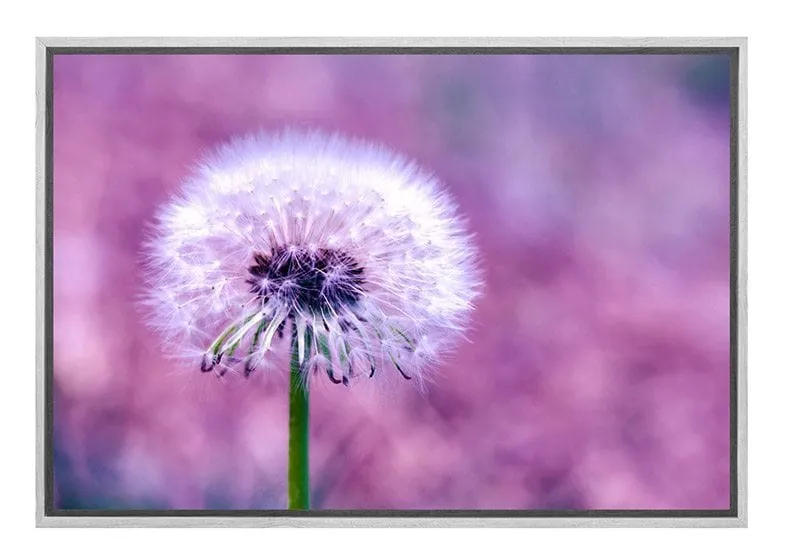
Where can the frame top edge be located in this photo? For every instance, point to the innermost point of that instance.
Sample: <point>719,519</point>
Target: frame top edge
<point>403,42</point>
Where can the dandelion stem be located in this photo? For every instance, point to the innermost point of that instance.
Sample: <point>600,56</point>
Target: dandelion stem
<point>298,428</point>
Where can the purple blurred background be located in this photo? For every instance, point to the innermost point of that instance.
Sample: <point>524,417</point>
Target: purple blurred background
<point>598,370</point>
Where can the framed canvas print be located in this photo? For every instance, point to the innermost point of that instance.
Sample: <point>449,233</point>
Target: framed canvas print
<point>450,282</point>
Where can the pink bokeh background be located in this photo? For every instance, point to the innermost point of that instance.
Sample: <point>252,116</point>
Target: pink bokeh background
<point>597,372</point>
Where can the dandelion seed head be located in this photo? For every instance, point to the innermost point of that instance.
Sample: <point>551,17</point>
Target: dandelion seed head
<point>350,247</point>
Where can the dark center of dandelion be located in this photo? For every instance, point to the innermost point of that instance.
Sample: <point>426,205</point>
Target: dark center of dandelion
<point>322,280</point>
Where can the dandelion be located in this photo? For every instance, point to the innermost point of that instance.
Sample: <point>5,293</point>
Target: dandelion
<point>350,248</point>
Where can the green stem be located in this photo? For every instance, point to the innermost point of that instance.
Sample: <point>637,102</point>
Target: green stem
<point>298,430</point>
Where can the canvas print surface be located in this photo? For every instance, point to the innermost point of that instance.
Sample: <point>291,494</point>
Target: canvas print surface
<point>391,282</point>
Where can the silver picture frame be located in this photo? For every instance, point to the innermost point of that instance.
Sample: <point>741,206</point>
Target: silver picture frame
<point>735,517</point>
